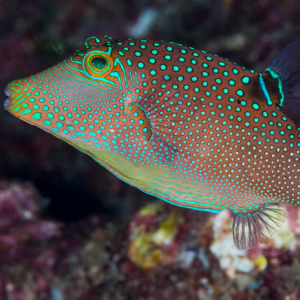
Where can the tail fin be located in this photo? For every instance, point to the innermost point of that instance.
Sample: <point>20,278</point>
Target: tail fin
<point>286,67</point>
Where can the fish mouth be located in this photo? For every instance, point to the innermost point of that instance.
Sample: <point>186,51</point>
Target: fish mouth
<point>7,100</point>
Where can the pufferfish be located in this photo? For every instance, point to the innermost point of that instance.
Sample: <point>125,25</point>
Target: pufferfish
<point>184,125</point>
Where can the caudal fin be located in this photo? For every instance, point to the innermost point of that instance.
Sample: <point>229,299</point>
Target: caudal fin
<point>286,68</point>
<point>254,228</point>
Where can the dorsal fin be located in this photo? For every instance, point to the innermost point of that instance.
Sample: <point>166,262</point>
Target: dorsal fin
<point>285,70</point>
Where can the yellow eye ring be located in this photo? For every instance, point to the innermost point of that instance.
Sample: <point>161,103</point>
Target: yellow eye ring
<point>97,64</point>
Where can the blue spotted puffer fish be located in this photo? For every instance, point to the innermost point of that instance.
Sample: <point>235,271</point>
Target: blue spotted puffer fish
<point>184,125</point>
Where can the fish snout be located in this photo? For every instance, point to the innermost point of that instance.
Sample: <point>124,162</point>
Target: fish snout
<point>7,100</point>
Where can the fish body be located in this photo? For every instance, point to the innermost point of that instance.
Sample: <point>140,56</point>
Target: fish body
<point>184,125</point>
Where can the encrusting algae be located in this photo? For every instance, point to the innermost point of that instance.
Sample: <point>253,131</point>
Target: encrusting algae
<point>189,127</point>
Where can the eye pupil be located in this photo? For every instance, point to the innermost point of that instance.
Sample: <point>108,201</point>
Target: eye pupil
<point>99,63</point>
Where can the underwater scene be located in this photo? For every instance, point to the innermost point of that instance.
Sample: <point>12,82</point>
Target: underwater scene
<point>150,149</point>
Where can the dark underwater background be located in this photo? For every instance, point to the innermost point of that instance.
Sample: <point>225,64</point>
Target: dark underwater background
<point>69,229</point>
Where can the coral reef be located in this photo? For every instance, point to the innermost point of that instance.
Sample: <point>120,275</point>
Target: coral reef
<point>155,236</point>
<point>161,251</point>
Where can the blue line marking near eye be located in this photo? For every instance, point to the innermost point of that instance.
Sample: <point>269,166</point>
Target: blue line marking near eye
<point>263,86</point>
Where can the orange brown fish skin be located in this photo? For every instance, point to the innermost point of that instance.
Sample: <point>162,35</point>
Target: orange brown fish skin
<point>184,125</point>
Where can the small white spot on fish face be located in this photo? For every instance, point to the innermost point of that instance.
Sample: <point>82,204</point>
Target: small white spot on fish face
<point>111,130</point>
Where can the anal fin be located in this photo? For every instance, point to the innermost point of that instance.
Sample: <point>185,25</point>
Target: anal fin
<point>256,227</point>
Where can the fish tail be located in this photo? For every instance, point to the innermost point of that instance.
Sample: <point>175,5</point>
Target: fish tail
<point>285,72</point>
<point>252,228</point>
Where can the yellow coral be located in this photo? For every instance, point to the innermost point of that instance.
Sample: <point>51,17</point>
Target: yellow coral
<point>260,262</point>
<point>147,248</point>
<point>150,209</point>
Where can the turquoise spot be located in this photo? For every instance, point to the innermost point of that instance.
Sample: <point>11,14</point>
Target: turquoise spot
<point>240,93</point>
<point>36,116</point>
<point>141,65</point>
<point>47,122</point>
<point>246,79</point>
<point>255,106</point>
<point>25,112</point>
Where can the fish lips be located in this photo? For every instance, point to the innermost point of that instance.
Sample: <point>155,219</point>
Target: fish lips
<point>7,100</point>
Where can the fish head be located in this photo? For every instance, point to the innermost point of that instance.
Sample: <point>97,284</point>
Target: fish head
<point>85,97</point>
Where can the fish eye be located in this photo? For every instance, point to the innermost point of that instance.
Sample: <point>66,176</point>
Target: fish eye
<point>99,63</point>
